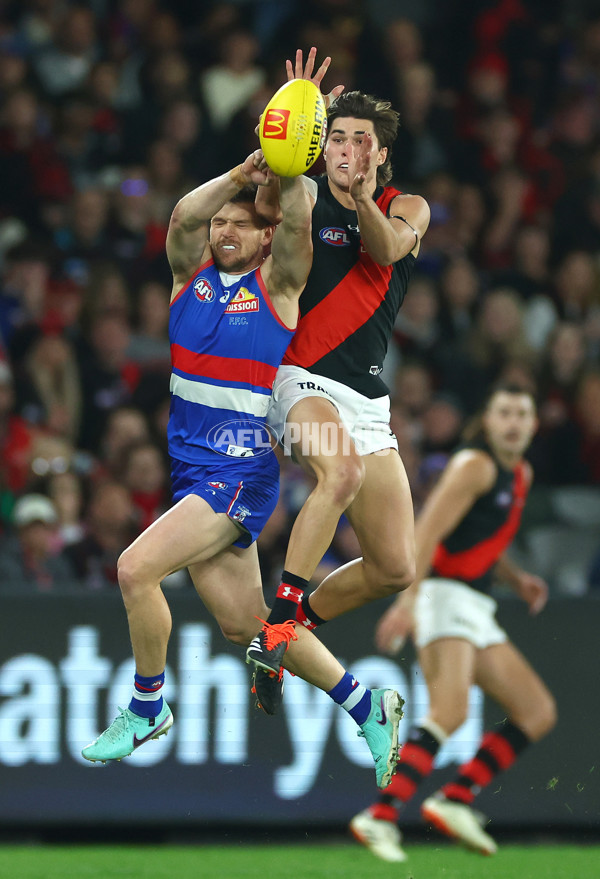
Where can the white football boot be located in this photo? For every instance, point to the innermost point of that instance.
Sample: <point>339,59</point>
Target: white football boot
<point>460,822</point>
<point>383,838</point>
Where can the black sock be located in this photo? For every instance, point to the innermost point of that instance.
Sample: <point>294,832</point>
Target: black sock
<point>288,598</point>
<point>306,616</point>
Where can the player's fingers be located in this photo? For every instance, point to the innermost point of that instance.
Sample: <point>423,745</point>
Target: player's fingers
<point>396,644</point>
<point>384,634</point>
<point>538,604</point>
<point>299,70</point>
<point>310,63</point>
<point>322,71</point>
<point>289,68</point>
<point>333,94</point>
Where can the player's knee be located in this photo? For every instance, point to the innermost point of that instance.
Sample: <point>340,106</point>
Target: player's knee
<point>539,716</point>
<point>546,716</point>
<point>237,633</point>
<point>129,573</point>
<point>392,575</point>
<point>404,574</point>
<point>341,481</point>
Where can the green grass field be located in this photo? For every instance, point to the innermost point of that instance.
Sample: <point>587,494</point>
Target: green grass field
<point>335,861</point>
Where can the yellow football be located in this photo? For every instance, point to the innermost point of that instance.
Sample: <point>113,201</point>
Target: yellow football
<point>293,127</point>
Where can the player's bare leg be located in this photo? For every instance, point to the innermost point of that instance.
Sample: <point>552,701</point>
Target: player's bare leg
<point>188,532</point>
<point>230,581</point>
<point>339,478</point>
<point>506,676</point>
<point>383,520</point>
<point>311,422</point>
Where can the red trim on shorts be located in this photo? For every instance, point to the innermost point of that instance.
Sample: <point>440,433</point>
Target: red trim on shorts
<point>235,497</point>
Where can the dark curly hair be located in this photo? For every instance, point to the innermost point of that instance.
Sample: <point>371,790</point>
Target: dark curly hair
<point>385,121</point>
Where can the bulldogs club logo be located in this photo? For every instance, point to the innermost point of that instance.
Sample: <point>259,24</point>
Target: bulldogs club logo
<point>241,513</point>
<point>203,290</point>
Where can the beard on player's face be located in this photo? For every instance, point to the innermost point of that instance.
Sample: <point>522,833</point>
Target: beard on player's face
<point>236,257</point>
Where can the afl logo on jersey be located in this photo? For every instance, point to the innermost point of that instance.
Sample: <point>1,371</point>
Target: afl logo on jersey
<point>335,236</point>
<point>203,290</point>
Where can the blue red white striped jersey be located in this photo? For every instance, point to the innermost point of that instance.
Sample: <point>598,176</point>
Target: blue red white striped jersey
<point>226,344</point>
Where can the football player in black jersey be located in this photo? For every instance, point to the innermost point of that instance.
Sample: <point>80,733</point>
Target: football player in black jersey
<point>330,405</point>
<point>462,534</point>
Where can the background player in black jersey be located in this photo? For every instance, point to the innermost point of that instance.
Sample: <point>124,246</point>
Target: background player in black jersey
<point>329,402</point>
<point>462,533</point>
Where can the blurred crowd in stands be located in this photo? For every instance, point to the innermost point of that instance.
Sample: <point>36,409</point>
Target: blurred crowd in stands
<point>111,110</point>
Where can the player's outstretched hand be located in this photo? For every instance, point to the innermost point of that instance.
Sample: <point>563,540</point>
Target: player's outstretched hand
<point>360,156</point>
<point>301,71</point>
<point>394,627</point>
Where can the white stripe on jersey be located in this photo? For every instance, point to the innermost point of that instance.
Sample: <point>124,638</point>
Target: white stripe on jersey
<point>218,397</point>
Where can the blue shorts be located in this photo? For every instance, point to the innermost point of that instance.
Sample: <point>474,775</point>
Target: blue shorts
<point>247,490</point>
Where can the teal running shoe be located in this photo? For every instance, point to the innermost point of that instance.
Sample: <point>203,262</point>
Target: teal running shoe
<point>126,733</point>
<point>380,729</point>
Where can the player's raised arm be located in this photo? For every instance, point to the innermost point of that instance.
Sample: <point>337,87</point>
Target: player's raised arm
<point>187,238</point>
<point>386,240</point>
<point>291,252</point>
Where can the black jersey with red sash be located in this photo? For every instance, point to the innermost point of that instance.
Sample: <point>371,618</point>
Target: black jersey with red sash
<point>350,303</point>
<point>470,552</point>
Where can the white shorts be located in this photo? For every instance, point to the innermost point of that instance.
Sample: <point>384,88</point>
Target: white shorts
<point>451,609</point>
<point>367,421</point>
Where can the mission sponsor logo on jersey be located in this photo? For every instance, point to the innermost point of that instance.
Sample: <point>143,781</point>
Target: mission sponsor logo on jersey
<point>243,301</point>
<point>335,236</point>
<point>203,290</point>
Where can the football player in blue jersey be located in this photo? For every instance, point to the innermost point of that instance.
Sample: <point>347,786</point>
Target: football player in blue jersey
<point>234,307</point>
